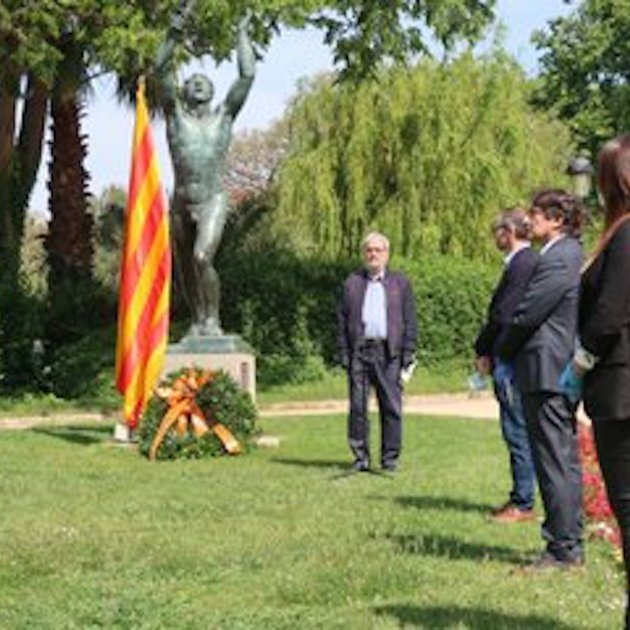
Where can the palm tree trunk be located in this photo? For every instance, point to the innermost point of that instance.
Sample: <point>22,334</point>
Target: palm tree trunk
<point>70,231</point>
<point>69,242</point>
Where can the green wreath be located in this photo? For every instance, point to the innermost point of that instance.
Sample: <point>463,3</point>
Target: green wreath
<point>220,400</point>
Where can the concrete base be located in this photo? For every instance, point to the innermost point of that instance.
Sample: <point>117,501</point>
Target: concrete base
<point>225,352</point>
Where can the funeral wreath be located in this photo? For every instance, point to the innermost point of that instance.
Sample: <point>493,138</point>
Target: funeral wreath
<point>197,413</point>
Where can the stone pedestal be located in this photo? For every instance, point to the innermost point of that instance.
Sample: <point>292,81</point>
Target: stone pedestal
<point>220,352</point>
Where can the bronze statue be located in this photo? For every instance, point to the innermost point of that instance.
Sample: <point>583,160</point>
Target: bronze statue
<point>199,138</point>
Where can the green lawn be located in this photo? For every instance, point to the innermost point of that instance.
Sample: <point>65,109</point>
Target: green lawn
<point>93,536</point>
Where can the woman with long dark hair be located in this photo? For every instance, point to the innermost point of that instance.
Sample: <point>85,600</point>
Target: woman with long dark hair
<point>603,354</point>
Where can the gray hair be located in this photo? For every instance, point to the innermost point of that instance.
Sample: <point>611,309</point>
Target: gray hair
<point>375,236</point>
<point>515,220</point>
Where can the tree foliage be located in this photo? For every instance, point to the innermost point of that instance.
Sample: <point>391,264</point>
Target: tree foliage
<point>586,69</point>
<point>253,159</point>
<point>364,33</point>
<point>108,211</point>
<point>427,155</point>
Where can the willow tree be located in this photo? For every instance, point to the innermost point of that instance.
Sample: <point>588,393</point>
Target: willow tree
<point>428,155</point>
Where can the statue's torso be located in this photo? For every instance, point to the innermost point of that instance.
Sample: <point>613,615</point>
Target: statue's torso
<point>198,148</point>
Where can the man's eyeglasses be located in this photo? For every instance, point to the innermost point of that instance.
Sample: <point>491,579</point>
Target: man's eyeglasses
<point>377,250</point>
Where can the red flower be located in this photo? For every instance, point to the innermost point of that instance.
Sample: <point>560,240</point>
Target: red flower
<point>596,507</point>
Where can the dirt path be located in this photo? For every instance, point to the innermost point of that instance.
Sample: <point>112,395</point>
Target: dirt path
<point>483,406</point>
<point>453,405</point>
<point>464,405</point>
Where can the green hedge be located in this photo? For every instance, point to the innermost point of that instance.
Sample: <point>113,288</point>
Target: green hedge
<point>452,297</point>
<point>282,304</point>
<point>285,306</point>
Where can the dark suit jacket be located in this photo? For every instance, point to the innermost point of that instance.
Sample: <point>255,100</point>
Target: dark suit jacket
<point>541,337</point>
<point>402,327</point>
<point>604,329</point>
<point>506,297</point>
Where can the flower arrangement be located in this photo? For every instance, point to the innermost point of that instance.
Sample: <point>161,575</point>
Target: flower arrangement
<point>196,413</point>
<point>601,521</point>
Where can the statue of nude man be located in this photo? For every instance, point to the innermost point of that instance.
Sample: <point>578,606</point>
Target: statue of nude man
<point>199,138</point>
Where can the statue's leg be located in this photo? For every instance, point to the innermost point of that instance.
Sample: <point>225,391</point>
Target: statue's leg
<point>187,274</point>
<point>210,227</point>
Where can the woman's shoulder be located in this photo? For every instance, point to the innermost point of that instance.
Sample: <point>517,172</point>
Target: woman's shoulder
<point>621,237</point>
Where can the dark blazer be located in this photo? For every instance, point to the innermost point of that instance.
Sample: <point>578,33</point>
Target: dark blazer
<point>540,338</point>
<point>506,297</point>
<point>402,327</point>
<point>604,329</point>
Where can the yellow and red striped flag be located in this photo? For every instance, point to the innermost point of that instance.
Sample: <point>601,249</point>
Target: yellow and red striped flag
<point>145,277</point>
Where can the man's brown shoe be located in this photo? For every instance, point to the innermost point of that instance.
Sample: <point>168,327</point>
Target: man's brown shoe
<point>512,514</point>
<point>497,510</point>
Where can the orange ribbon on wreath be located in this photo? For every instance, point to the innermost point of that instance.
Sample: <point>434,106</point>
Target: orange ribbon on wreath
<point>185,414</point>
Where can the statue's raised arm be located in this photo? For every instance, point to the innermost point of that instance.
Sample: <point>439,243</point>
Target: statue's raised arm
<point>246,59</point>
<point>165,68</point>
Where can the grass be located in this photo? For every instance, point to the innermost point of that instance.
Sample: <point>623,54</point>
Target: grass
<point>29,404</point>
<point>93,536</point>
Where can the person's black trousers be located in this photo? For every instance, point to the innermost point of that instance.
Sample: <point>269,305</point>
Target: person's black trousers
<point>553,436</point>
<point>371,366</point>
<point>612,439</point>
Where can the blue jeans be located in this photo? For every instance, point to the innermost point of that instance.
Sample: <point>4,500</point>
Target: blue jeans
<point>514,429</point>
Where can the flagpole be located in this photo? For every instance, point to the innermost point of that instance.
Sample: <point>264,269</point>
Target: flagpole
<point>145,277</point>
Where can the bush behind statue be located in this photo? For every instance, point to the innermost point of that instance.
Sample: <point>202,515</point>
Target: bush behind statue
<point>284,305</point>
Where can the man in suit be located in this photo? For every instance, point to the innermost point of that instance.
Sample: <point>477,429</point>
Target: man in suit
<point>541,339</point>
<point>377,332</point>
<point>511,233</point>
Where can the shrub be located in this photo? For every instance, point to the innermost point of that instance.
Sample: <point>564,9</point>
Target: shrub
<point>452,297</point>
<point>20,330</point>
<point>285,307</point>
<point>79,369</point>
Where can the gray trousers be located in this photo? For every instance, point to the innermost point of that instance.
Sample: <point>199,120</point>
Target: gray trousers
<point>553,437</point>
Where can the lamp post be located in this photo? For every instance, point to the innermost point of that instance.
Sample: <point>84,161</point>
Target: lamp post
<point>581,171</point>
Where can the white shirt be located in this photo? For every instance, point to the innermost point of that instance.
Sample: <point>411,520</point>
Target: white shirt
<point>374,312</point>
<point>508,259</point>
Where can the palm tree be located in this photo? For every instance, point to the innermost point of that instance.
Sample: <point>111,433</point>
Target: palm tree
<point>69,243</point>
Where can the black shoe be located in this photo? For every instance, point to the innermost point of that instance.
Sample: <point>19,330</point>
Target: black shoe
<point>546,561</point>
<point>389,467</point>
<point>360,466</point>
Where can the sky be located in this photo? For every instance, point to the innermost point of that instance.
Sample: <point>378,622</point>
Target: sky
<point>291,57</point>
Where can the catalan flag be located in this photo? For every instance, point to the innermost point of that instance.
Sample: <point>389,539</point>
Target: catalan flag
<point>145,278</point>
